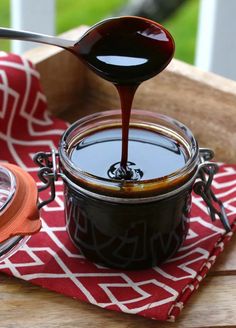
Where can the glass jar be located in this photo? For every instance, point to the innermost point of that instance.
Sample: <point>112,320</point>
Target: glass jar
<point>129,224</point>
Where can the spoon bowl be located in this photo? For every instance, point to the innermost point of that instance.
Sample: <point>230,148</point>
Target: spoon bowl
<point>126,50</point>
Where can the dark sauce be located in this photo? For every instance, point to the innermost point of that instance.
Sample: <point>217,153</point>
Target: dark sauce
<point>126,51</point>
<point>126,232</point>
<point>146,148</point>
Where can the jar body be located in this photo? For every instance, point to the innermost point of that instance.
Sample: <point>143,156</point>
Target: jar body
<point>127,236</point>
<point>128,224</point>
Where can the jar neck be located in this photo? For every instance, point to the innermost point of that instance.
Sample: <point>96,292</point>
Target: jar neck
<point>113,198</point>
<point>128,188</point>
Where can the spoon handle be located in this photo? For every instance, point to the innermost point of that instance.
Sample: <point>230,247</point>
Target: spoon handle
<point>8,33</point>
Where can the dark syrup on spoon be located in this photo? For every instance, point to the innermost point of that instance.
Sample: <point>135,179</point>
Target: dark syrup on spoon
<point>126,51</point>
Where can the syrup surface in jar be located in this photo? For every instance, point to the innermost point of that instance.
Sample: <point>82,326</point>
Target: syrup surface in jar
<point>98,154</point>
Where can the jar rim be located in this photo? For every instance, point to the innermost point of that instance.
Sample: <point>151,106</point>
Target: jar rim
<point>118,188</point>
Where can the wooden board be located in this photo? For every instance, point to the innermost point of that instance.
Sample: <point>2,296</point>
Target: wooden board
<point>204,102</point>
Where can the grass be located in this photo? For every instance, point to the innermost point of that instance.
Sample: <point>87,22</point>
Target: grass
<point>74,13</point>
<point>183,26</point>
<point>4,21</point>
<point>70,13</point>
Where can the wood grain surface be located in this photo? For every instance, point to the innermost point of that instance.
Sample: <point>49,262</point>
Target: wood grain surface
<point>206,103</point>
<point>24,305</point>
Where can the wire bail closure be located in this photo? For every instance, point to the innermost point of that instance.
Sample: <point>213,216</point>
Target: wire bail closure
<point>202,187</point>
<point>49,173</point>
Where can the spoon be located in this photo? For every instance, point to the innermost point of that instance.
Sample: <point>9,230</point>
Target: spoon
<point>8,33</point>
<point>123,50</point>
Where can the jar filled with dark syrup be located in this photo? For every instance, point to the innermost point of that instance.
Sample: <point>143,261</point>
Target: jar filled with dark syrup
<point>128,223</point>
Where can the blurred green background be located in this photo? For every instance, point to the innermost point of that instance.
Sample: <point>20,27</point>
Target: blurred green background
<point>182,24</point>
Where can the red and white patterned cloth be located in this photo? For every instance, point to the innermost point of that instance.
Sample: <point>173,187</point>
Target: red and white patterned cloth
<point>49,259</point>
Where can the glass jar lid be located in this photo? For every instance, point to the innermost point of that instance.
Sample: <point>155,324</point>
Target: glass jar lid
<point>19,215</point>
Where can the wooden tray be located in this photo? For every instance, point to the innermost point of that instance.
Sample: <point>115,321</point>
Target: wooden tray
<point>206,103</point>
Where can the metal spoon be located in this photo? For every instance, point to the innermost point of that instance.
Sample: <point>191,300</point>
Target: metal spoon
<point>8,33</point>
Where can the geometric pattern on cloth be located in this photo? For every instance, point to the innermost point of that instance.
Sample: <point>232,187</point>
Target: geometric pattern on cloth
<point>49,258</point>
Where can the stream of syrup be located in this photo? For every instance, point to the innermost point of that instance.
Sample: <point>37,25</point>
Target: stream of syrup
<point>126,51</point>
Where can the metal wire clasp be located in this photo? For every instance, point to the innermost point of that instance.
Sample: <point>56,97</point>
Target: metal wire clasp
<point>202,187</point>
<point>48,173</point>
